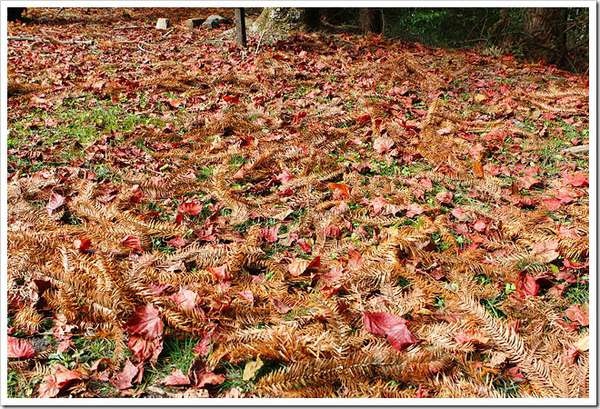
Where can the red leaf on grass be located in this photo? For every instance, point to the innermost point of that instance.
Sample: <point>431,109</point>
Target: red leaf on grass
<point>208,378</point>
<point>304,245</point>
<point>192,208</point>
<point>200,376</point>
<point>247,295</point>
<point>340,190</point>
<point>460,214</point>
<point>55,202</point>
<point>552,204</point>
<point>123,380</point>
<point>390,326</point>
<point>144,349</point>
<point>145,322</point>
<point>60,378</point>
<point>133,242</point>
<point>479,226</point>
<point>202,347</point>
<point>280,306</point>
<point>379,203</point>
<point>176,378</point>
<point>20,348</point>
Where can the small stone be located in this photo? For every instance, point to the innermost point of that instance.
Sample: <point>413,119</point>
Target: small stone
<point>193,22</point>
<point>214,21</point>
<point>163,24</point>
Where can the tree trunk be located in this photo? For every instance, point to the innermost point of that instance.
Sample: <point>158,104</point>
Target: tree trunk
<point>546,35</point>
<point>371,20</point>
<point>240,27</point>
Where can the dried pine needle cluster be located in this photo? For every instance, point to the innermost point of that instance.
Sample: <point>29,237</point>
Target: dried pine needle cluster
<point>269,237</point>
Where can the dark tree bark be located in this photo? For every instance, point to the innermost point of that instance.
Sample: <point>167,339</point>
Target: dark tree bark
<point>240,27</point>
<point>546,34</point>
<point>14,13</point>
<point>312,19</point>
<point>371,20</point>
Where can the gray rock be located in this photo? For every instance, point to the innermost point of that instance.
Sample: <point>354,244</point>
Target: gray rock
<point>163,23</point>
<point>215,20</point>
<point>193,22</point>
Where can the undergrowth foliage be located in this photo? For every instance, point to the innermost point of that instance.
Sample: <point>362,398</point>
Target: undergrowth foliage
<point>376,222</point>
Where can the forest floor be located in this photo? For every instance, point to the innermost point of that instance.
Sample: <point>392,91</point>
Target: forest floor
<point>329,215</point>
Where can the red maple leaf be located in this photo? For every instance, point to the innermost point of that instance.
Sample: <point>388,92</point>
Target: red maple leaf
<point>145,322</point>
<point>392,327</point>
<point>203,346</point>
<point>354,259</point>
<point>200,376</point>
<point>414,209</point>
<point>298,266</point>
<point>19,348</point>
<point>59,379</point>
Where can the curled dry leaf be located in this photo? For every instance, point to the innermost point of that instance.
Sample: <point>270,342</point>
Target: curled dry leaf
<point>19,348</point>
<point>124,379</point>
<point>55,202</point>
<point>57,381</point>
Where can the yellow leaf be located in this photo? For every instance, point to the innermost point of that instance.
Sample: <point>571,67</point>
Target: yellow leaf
<point>479,98</point>
<point>251,368</point>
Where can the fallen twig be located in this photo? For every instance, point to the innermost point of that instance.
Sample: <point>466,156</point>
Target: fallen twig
<point>574,150</point>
